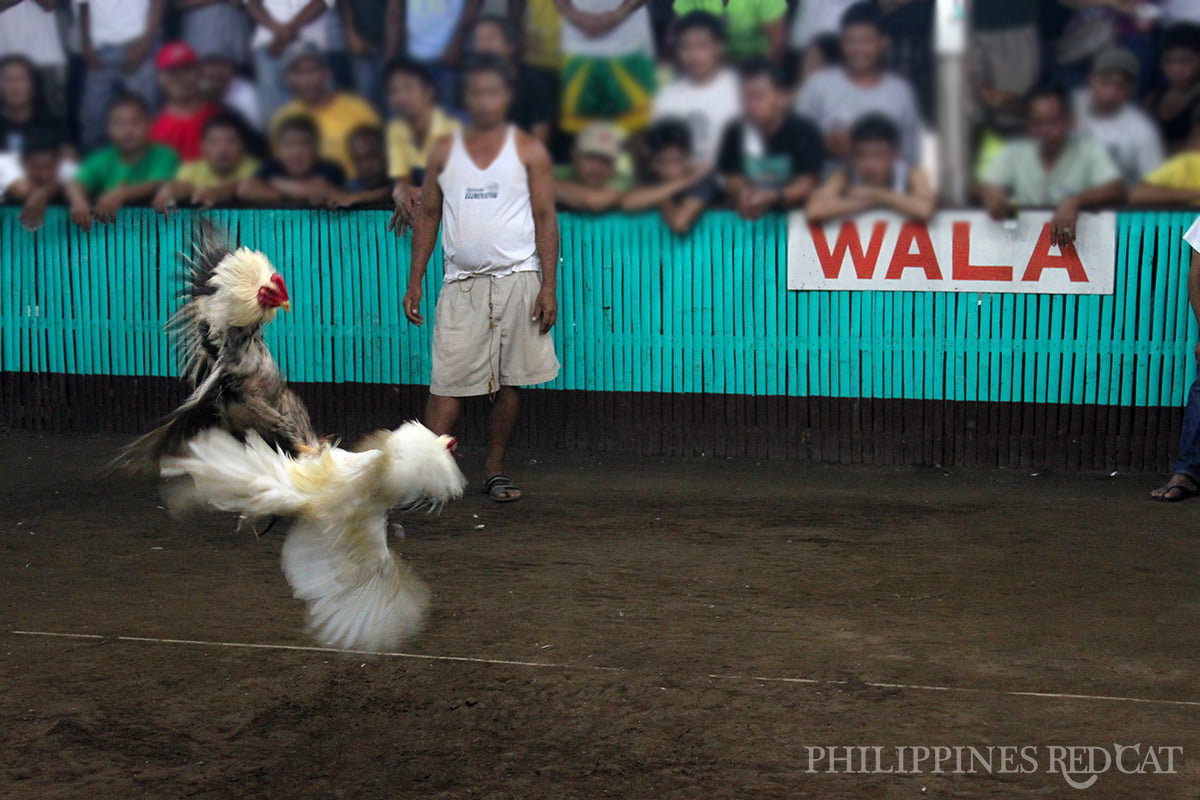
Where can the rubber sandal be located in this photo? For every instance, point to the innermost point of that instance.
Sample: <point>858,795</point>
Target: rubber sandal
<point>501,489</point>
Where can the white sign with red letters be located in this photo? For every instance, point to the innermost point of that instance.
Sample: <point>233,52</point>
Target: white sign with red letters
<point>956,251</point>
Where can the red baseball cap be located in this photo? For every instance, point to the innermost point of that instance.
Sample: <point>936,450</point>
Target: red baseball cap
<point>174,55</point>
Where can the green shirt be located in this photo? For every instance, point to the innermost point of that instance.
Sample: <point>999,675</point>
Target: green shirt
<point>104,170</point>
<point>744,21</point>
<point>1017,167</point>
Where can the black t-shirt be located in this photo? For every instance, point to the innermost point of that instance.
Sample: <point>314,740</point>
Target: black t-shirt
<point>330,171</point>
<point>795,149</point>
<point>534,99</point>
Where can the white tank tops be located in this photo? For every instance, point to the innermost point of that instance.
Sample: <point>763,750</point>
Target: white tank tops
<point>487,216</point>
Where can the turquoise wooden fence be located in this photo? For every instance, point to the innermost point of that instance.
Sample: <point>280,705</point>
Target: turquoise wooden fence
<point>642,310</point>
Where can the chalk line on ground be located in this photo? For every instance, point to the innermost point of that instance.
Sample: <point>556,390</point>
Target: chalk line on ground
<point>597,668</point>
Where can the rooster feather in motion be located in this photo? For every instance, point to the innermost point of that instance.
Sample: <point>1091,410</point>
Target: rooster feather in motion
<point>360,595</point>
<point>236,384</point>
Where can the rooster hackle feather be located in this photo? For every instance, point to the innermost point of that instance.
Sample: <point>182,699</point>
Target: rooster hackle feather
<point>359,594</point>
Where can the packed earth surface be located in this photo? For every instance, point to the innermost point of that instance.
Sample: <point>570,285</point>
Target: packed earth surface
<point>631,628</point>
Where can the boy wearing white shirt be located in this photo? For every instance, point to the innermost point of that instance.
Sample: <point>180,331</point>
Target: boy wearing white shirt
<point>705,95</point>
<point>118,37</point>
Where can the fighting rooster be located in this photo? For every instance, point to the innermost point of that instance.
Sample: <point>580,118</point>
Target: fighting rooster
<point>360,595</point>
<point>236,384</point>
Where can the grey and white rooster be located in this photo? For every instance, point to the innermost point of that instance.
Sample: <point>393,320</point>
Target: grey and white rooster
<point>236,384</point>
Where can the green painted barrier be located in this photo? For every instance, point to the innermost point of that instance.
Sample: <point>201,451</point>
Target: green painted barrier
<point>642,310</point>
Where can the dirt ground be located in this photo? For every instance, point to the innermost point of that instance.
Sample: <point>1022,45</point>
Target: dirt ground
<point>654,601</point>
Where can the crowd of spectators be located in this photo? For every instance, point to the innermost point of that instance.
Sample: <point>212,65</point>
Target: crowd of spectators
<point>673,106</point>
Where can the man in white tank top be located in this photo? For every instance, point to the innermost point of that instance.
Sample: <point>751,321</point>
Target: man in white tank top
<point>491,185</point>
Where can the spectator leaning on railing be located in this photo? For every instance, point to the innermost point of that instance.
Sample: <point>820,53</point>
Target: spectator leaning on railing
<point>128,171</point>
<point>773,157</point>
<point>371,183</point>
<point>705,94</point>
<point>1053,167</point>
<point>592,182</point>
<point>41,179</point>
<point>876,178</point>
<point>213,179</point>
<point>297,174</point>
<point>674,183</point>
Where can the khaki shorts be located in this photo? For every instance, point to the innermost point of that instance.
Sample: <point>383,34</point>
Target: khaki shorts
<point>484,337</point>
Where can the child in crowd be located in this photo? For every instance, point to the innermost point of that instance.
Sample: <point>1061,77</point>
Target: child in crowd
<point>705,95</point>
<point>213,179</point>
<point>42,175</point>
<point>371,183</point>
<point>877,178</point>
<point>297,173</point>
<point>335,113</point>
<point>773,157</point>
<point>130,170</point>
<point>591,182</point>
<point>180,125</point>
<point>676,184</point>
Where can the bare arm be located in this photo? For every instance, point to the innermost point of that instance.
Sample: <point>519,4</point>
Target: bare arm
<point>681,215</point>
<point>584,198</point>
<point>81,207</point>
<point>425,230</point>
<point>1147,194</point>
<point>169,195</point>
<point>310,13</point>
<point>258,12</point>
<point>545,226</point>
<point>341,198</point>
<point>996,201</point>
<point>797,191</point>
<point>256,191</point>
<point>641,198</point>
<point>918,203</point>
<point>830,200</point>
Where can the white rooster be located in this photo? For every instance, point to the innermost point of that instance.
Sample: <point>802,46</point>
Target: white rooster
<point>360,595</point>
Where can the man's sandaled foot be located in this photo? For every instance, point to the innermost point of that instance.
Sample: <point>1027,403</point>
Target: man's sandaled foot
<point>1180,487</point>
<point>501,489</point>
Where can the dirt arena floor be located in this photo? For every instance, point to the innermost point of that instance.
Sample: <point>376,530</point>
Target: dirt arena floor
<point>622,632</point>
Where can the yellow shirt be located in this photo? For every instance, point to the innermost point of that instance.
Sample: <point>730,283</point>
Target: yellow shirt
<point>200,175</point>
<point>335,121</point>
<point>543,24</point>
<point>404,154</point>
<point>1180,172</point>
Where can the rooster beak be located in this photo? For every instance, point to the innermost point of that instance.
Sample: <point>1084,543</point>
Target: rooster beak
<point>286,305</point>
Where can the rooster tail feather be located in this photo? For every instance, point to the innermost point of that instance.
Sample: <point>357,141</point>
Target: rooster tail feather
<point>372,602</point>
